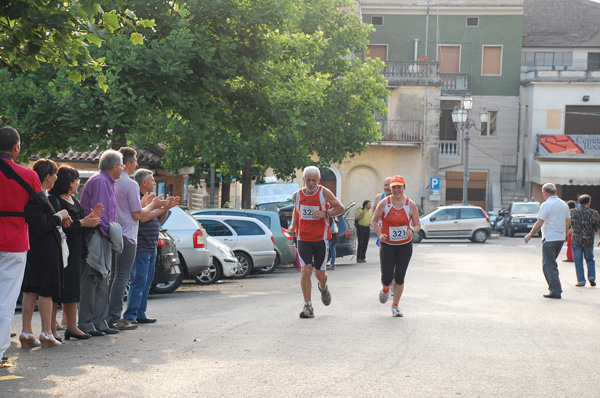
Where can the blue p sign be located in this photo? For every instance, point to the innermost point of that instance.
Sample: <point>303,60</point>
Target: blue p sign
<point>435,183</point>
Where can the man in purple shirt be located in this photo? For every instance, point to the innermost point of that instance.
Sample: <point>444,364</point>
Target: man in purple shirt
<point>130,211</point>
<point>100,188</point>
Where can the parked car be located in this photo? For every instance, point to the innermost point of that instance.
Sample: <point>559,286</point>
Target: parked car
<point>284,243</point>
<point>189,237</point>
<point>167,260</point>
<point>520,218</point>
<point>455,221</point>
<point>224,264</point>
<point>346,245</point>
<point>250,239</point>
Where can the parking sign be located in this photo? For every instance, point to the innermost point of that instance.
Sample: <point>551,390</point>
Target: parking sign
<point>434,183</point>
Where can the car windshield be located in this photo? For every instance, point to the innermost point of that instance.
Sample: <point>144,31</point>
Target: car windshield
<point>526,208</point>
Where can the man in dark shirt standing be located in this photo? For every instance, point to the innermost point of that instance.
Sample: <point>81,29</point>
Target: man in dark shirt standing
<point>585,222</point>
<point>142,272</point>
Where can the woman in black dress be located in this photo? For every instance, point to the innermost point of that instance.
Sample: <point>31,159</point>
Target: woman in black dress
<point>62,197</point>
<point>44,267</point>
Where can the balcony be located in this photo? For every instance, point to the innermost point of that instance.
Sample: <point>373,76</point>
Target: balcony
<point>401,132</point>
<point>416,73</point>
<point>563,71</point>
<point>449,148</point>
<point>455,83</point>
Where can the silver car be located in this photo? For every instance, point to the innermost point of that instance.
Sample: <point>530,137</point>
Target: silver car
<point>224,264</point>
<point>455,221</point>
<point>189,238</point>
<point>250,239</point>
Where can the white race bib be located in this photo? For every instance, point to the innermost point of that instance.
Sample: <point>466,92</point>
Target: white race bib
<point>398,233</point>
<point>306,212</point>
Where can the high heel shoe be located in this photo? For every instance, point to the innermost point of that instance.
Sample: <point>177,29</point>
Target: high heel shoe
<point>69,334</point>
<point>48,340</point>
<point>28,340</point>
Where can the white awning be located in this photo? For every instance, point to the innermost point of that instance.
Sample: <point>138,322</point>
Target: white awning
<point>565,173</point>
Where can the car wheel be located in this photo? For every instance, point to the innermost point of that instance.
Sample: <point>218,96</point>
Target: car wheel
<point>418,237</point>
<point>480,236</point>
<point>171,286</point>
<point>270,269</point>
<point>245,265</point>
<point>211,274</point>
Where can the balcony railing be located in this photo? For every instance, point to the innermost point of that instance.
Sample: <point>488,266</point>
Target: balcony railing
<point>412,72</point>
<point>449,148</point>
<point>455,83</point>
<point>407,131</point>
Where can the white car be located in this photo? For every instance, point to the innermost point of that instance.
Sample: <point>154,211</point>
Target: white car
<point>250,239</point>
<point>225,263</point>
<point>189,238</point>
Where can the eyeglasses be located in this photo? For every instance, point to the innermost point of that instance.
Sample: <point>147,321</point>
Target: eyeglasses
<point>121,165</point>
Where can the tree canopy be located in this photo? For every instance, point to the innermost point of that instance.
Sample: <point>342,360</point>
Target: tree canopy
<point>243,85</point>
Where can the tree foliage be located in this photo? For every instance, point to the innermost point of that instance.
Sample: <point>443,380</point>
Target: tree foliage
<point>238,85</point>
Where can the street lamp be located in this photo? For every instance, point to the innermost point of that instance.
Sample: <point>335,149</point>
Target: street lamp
<point>460,118</point>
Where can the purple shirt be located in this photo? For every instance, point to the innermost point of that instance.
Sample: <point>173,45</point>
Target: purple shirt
<point>128,201</point>
<point>100,188</point>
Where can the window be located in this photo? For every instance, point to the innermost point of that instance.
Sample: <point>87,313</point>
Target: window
<point>446,214</point>
<point>245,227</point>
<point>215,228</point>
<point>471,213</point>
<point>593,61</point>
<point>489,129</point>
<point>264,219</point>
<point>377,21</point>
<point>582,119</point>
<point>473,22</point>
<point>491,63</point>
<point>449,58</point>
<point>377,51</point>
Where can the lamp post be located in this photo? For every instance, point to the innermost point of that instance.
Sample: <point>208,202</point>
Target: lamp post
<point>462,122</point>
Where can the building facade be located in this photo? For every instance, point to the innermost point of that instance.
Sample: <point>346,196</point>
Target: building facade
<point>560,97</point>
<point>436,53</point>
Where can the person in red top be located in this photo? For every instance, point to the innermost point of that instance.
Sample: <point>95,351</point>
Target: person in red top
<point>400,222</point>
<point>14,234</point>
<point>309,222</point>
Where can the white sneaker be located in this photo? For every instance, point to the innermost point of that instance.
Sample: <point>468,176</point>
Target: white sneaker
<point>396,311</point>
<point>307,311</point>
<point>383,296</point>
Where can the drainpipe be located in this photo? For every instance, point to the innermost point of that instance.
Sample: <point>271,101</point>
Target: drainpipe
<point>416,55</point>
<point>426,29</point>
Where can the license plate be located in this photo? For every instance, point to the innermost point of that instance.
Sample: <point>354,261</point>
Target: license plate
<point>529,225</point>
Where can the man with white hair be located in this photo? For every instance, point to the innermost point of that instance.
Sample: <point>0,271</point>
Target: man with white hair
<point>554,220</point>
<point>310,223</point>
<point>99,188</point>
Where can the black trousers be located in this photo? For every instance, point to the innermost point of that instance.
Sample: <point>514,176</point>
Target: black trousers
<point>363,234</point>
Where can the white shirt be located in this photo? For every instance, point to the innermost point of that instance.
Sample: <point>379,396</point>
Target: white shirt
<point>554,212</point>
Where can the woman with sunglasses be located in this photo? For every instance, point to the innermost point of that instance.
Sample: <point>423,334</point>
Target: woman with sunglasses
<point>44,267</point>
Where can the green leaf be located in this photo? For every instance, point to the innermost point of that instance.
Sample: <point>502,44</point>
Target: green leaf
<point>92,38</point>
<point>111,22</point>
<point>75,77</point>
<point>137,38</point>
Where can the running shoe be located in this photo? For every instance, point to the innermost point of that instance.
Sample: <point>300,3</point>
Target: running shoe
<point>396,311</point>
<point>325,295</point>
<point>307,311</point>
<point>383,296</point>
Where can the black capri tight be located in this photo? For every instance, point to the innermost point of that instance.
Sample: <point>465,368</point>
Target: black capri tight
<point>394,262</point>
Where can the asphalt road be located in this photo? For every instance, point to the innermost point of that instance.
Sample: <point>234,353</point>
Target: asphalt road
<point>475,325</point>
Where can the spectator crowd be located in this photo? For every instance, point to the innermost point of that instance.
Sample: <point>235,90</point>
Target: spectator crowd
<point>76,254</point>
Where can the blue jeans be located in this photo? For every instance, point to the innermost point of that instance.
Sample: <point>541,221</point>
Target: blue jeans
<point>550,252</point>
<point>332,244</point>
<point>140,282</point>
<point>579,253</point>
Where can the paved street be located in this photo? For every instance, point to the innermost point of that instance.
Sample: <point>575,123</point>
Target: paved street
<point>475,325</point>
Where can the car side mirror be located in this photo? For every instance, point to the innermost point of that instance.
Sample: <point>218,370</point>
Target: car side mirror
<point>433,218</point>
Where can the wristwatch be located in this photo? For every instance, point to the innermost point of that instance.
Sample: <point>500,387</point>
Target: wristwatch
<point>326,214</point>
